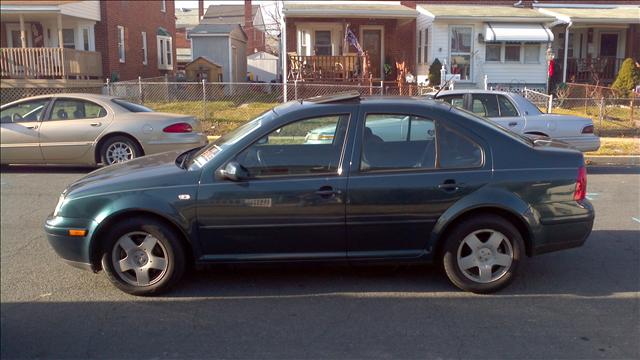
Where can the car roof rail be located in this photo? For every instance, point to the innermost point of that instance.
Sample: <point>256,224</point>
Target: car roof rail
<point>334,98</point>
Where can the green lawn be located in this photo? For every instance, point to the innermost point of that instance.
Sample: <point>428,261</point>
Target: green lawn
<point>618,146</point>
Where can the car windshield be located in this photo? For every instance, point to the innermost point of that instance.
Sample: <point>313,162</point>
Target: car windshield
<point>204,155</point>
<point>133,107</point>
<point>494,125</point>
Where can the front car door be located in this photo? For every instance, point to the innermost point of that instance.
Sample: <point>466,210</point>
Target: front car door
<point>20,125</point>
<point>71,129</point>
<point>399,188</point>
<point>291,205</point>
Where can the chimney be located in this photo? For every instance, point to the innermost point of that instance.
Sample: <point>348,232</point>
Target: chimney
<point>248,25</point>
<point>200,10</point>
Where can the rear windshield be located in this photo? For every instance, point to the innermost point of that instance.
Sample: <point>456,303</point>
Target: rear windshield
<point>133,107</point>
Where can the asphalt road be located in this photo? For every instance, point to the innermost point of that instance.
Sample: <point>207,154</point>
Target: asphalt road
<point>580,303</point>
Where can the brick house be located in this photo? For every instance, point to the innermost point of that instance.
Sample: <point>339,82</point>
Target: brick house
<point>136,38</point>
<point>315,34</point>
<point>48,44</point>
<point>249,16</point>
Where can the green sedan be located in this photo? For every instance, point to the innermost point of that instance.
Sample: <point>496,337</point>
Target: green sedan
<point>435,184</point>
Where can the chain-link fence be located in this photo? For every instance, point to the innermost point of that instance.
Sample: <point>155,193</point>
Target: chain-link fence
<point>612,117</point>
<point>223,106</point>
<point>8,95</point>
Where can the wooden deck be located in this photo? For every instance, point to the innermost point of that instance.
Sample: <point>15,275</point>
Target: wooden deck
<point>49,63</point>
<point>328,69</point>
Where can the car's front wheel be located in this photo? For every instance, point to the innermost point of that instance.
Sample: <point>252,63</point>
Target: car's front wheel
<point>142,256</point>
<point>119,149</point>
<point>483,254</point>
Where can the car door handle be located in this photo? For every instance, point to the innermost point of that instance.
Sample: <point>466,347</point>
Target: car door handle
<point>450,186</point>
<point>513,123</point>
<point>96,124</point>
<point>32,127</point>
<point>327,191</point>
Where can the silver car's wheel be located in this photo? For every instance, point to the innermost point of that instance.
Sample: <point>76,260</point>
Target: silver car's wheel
<point>484,256</point>
<point>119,152</point>
<point>118,149</point>
<point>139,259</point>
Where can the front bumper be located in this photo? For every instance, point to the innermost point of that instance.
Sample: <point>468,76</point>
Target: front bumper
<point>565,232</point>
<point>75,250</point>
<point>583,143</point>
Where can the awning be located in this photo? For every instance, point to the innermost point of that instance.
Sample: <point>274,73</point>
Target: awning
<point>355,9</point>
<point>517,32</point>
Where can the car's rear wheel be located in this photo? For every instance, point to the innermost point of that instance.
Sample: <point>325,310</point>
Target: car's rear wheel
<point>143,256</point>
<point>483,254</point>
<point>119,149</point>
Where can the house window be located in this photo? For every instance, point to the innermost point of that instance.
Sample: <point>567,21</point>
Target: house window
<point>165,55</point>
<point>121,55</point>
<point>68,38</point>
<point>303,40</point>
<point>512,52</point>
<point>493,52</point>
<point>323,42</point>
<point>460,37</point>
<point>426,45</point>
<point>419,46</point>
<point>163,5</point>
<point>532,53</point>
<point>144,48</point>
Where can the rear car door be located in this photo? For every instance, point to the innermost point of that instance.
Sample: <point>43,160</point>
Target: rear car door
<point>291,205</point>
<point>499,109</point>
<point>20,126</point>
<point>399,189</point>
<point>71,128</point>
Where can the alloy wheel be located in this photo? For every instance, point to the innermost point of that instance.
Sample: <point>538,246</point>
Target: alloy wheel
<point>119,152</point>
<point>139,259</point>
<point>485,256</point>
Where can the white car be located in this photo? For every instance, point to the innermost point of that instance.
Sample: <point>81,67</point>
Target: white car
<point>519,115</point>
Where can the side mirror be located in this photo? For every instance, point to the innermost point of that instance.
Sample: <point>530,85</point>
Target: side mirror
<point>233,171</point>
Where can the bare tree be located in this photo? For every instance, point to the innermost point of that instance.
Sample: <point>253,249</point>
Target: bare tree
<point>273,26</point>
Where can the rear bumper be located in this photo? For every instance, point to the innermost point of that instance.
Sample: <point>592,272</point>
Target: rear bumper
<point>74,250</point>
<point>564,232</point>
<point>583,143</point>
<point>175,142</point>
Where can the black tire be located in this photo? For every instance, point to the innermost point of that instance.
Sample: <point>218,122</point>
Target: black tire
<point>106,154</point>
<point>485,255</point>
<point>167,247</point>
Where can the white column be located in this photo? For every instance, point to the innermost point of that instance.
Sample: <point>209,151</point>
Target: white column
<point>284,55</point>
<point>60,38</point>
<point>23,35</point>
<point>566,52</point>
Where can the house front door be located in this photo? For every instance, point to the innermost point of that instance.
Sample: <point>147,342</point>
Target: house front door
<point>607,65</point>
<point>372,44</point>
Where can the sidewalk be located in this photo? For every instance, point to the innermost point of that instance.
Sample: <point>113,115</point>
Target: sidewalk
<point>609,160</point>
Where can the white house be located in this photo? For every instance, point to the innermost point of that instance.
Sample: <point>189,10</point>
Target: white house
<point>507,44</point>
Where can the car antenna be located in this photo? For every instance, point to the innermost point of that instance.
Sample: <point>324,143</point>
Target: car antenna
<point>446,84</point>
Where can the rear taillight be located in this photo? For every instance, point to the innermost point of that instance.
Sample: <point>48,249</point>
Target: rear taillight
<point>587,129</point>
<point>178,128</point>
<point>581,184</point>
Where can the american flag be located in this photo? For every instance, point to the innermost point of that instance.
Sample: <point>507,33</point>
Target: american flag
<point>351,39</point>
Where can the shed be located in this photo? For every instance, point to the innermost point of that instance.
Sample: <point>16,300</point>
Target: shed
<point>262,66</point>
<point>223,44</point>
<point>203,69</point>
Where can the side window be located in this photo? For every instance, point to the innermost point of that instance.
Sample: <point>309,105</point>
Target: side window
<point>24,112</point>
<point>485,105</point>
<point>398,141</point>
<point>71,109</point>
<point>455,100</point>
<point>456,150</point>
<point>305,147</point>
<point>506,107</point>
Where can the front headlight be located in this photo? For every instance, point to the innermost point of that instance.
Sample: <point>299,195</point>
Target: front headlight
<point>59,205</point>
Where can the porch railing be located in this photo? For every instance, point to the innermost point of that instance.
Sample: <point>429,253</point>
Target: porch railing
<point>328,67</point>
<point>49,63</point>
<point>601,70</point>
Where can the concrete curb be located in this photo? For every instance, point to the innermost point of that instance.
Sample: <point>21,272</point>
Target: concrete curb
<point>605,160</point>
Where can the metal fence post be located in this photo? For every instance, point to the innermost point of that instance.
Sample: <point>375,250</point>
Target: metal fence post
<point>486,82</point>
<point>381,87</point>
<point>108,87</point>
<point>295,89</point>
<point>204,100</point>
<point>550,105</point>
<point>140,89</point>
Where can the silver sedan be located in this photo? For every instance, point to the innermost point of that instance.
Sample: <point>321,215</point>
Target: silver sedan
<point>88,129</point>
<point>519,115</point>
